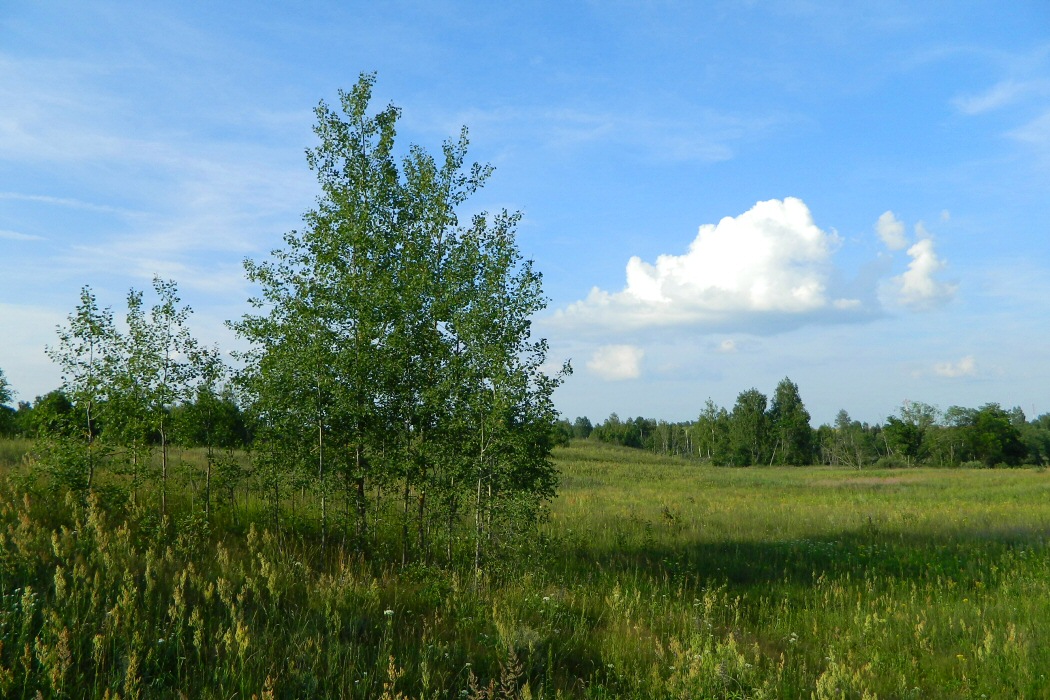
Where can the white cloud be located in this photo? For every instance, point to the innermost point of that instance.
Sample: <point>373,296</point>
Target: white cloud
<point>727,346</point>
<point>966,367</point>
<point>917,288</point>
<point>891,231</point>
<point>771,260</point>
<point>616,362</point>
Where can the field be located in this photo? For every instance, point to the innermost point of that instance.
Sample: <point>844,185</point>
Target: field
<point>652,578</point>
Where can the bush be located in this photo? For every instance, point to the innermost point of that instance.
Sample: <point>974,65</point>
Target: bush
<point>890,462</point>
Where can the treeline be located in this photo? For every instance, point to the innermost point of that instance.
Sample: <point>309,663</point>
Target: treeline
<point>391,397</point>
<point>210,418</point>
<point>778,432</point>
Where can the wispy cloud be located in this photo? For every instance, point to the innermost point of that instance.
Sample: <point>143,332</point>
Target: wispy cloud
<point>16,236</point>
<point>1000,95</point>
<point>1035,132</point>
<point>67,202</point>
<point>706,135</point>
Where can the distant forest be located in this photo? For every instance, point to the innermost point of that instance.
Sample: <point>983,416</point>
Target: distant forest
<point>756,431</point>
<point>759,431</point>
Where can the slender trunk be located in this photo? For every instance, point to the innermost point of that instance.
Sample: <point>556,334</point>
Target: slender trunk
<point>477,508</point>
<point>207,483</point>
<point>421,508</point>
<point>163,470</point>
<point>488,513</point>
<point>362,500</point>
<point>477,529</point>
<point>90,447</point>
<point>451,518</point>
<point>320,473</point>
<point>375,516</point>
<point>404,524</point>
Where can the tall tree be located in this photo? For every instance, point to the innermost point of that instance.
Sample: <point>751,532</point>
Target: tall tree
<point>397,338</point>
<point>712,434</point>
<point>748,428</point>
<point>906,435</point>
<point>87,354</point>
<point>155,372</point>
<point>790,431</point>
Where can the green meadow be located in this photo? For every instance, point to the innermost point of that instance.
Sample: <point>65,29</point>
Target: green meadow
<point>651,577</point>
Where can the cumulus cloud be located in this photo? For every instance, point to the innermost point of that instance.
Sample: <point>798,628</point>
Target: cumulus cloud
<point>918,288</point>
<point>616,362</point>
<point>966,367</point>
<point>772,260</point>
<point>891,231</point>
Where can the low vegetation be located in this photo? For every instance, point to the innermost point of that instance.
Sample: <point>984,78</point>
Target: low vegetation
<point>652,577</point>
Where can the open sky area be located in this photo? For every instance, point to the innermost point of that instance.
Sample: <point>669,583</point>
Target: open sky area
<point>718,194</point>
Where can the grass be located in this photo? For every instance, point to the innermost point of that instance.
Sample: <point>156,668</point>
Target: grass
<point>653,578</point>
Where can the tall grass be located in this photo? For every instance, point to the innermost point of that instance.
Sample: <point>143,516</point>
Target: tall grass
<point>652,578</point>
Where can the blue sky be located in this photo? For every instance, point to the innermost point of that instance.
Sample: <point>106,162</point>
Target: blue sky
<point>718,194</point>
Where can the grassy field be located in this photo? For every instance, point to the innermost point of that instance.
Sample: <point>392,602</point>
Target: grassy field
<point>653,578</point>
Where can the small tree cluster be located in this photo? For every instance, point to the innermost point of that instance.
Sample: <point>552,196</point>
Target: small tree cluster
<point>121,388</point>
<point>392,368</point>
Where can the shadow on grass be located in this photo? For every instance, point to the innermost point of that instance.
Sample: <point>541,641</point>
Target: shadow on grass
<point>862,553</point>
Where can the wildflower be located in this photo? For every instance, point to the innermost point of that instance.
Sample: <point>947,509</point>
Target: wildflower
<point>388,612</point>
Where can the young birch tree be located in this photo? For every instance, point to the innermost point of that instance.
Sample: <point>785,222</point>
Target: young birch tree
<point>388,327</point>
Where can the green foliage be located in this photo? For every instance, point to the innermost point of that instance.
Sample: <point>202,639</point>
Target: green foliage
<point>749,429</point>
<point>582,427</point>
<point>392,352</point>
<point>789,425</point>
<point>712,431</point>
<point>8,422</point>
<point>6,393</point>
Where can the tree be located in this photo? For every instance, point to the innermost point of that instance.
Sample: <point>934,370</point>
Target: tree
<point>395,342</point>
<point>581,427</point>
<point>748,428</point>
<point>849,443</point>
<point>154,374</point>
<point>7,414</point>
<point>6,393</point>
<point>789,426</point>
<point>712,434</point>
<point>994,438</point>
<point>905,436</point>
<point>87,354</point>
